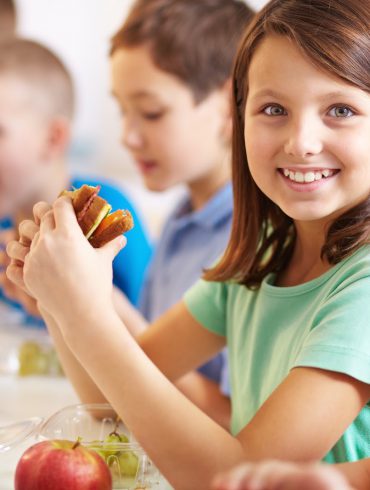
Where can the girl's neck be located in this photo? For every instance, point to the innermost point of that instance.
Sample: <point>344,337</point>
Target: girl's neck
<point>203,189</point>
<point>306,263</point>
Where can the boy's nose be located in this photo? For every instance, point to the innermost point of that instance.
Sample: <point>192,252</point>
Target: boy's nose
<point>131,137</point>
<point>304,138</point>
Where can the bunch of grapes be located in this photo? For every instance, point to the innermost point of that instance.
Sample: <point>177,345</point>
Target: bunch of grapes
<point>36,359</point>
<point>123,463</point>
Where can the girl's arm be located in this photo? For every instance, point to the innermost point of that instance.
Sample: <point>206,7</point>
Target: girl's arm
<point>300,421</point>
<point>87,390</point>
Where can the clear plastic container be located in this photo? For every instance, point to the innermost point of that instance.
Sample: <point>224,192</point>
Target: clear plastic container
<point>94,425</point>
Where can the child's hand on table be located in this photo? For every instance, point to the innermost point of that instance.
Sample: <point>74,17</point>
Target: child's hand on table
<point>278,475</point>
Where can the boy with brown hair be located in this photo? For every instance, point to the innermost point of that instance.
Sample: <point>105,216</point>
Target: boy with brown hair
<point>171,64</point>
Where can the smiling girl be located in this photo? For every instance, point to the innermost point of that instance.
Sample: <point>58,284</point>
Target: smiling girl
<point>290,296</point>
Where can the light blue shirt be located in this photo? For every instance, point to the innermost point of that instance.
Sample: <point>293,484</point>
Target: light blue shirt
<point>190,242</point>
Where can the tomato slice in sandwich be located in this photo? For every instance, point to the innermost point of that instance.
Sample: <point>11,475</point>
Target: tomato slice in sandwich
<point>108,220</point>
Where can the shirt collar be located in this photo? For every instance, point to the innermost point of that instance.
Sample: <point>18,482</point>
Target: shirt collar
<point>215,211</point>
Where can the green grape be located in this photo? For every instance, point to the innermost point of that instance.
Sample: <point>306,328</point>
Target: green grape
<point>128,463</point>
<point>37,359</point>
<point>111,445</point>
<point>32,360</point>
<point>123,465</point>
<point>97,446</point>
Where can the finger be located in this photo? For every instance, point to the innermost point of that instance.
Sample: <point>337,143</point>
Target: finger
<point>15,274</point>
<point>27,231</point>
<point>28,303</point>
<point>64,215</point>
<point>47,222</point>
<point>35,240</point>
<point>112,248</point>
<point>17,251</point>
<point>4,259</point>
<point>39,209</point>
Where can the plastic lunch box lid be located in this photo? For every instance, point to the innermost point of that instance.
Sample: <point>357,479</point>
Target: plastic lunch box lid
<point>18,432</point>
<point>13,434</point>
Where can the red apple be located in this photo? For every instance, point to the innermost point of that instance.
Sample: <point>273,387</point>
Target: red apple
<point>61,465</point>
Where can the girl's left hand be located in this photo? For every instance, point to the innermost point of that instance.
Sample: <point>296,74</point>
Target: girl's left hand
<point>66,275</point>
<point>278,475</point>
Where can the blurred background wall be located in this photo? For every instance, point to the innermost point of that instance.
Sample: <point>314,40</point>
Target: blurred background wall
<point>79,32</point>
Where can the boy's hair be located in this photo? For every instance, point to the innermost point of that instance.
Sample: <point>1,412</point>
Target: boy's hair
<point>335,36</point>
<point>8,19</point>
<point>42,72</point>
<point>195,40</point>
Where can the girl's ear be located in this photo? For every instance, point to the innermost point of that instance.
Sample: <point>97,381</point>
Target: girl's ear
<point>58,137</point>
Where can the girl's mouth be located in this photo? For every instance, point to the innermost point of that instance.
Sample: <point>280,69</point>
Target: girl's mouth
<point>307,176</point>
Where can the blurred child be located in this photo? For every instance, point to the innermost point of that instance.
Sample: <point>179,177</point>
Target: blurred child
<point>8,18</point>
<point>171,69</point>
<point>36,109</point>
<point>290,296</point>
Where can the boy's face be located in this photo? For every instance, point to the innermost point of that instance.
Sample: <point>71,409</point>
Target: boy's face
<point>23,138</point>
<point>172,139</point>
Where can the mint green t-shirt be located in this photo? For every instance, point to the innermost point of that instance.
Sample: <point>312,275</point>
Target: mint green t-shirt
<point>323,323</point>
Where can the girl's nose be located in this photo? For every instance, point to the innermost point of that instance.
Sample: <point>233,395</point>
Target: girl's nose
<point>304,138</point>
<point>131,137</point>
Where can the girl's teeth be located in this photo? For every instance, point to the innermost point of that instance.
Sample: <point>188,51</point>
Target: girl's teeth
<point>301,177</point>
<point>309,177</point>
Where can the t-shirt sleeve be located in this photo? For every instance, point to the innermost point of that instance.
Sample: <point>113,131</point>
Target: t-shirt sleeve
<point>206,302</point>
<point>340,338</point>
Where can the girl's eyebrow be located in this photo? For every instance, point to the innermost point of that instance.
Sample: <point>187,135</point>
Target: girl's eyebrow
<point>330,95</point>
<point>268,93</point>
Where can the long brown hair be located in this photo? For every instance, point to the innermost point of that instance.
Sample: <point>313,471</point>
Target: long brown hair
<point>335,36</point>
<point>194,40</point>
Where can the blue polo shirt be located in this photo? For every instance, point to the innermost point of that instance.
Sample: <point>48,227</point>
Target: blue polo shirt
<point>130,264</point>
<point>190,242</point>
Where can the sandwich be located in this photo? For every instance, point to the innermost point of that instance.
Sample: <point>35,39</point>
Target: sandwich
<point>94,216</point>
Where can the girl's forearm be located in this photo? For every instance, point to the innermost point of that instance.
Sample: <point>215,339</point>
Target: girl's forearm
<point>170,428</point>
<point>84,386</point>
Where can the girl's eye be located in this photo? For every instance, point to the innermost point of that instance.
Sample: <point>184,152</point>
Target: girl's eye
<point>341,111</point>
<point>274,110</point>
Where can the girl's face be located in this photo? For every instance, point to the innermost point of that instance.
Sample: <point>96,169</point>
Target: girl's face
<point>307,134</point>
<point>171,139</point>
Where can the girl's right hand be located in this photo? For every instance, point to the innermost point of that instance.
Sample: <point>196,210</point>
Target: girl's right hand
<point>278,475</point>
<point>66,275</point>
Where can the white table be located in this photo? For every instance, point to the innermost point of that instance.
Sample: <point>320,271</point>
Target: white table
<point>25,397</point>
<point>22,398</point>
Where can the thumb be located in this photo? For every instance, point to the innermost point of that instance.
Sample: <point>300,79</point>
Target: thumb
<point>112,248</point>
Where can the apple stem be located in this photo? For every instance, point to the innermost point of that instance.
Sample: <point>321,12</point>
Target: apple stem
<point>77,443</point>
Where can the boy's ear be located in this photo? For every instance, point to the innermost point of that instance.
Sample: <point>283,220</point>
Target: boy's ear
<point>58,137</point>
